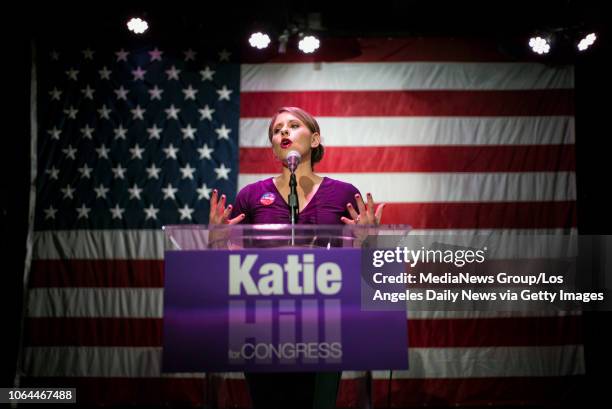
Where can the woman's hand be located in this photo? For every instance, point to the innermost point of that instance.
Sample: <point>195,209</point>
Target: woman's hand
<point>366,214</point>
<point>219,214</point>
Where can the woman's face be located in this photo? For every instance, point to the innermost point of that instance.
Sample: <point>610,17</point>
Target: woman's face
<point>289,133</point>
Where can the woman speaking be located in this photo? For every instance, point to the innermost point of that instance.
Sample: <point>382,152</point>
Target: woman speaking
<point>322,200</point>
<point>294,133</point>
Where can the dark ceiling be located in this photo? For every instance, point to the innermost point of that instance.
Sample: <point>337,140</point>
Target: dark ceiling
<point>340,18</point>
<point>204,22</point>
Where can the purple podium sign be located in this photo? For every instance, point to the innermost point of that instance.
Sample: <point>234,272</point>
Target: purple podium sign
<point>274,310</point>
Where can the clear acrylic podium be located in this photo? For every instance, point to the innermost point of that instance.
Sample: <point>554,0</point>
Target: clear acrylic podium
<point>295,390</point>
<point>203,237</point>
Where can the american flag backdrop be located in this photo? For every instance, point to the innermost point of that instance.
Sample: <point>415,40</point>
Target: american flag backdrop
<point>453,135</point>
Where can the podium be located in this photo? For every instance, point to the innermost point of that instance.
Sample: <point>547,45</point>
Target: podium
<point>280,303</point>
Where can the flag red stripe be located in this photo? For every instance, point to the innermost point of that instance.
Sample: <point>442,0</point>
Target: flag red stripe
<point>131,332</point>
<point>97,273</point>
<point>481,158</point>
<point>486,332</point>
<point>388,50</point>
<point>412,103</point>
<point>475,391</point>
<point>482,215</point>
<point>422,333</point>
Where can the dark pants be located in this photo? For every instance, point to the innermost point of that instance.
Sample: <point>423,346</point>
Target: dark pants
<point>295,390</point>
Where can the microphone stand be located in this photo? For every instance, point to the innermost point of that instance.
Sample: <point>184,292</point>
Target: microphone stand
<point>293,205</point>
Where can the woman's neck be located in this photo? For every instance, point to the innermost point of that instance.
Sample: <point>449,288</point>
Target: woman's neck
<point>304,175</point>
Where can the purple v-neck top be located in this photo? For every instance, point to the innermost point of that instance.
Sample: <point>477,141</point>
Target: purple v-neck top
<point>261,202</point>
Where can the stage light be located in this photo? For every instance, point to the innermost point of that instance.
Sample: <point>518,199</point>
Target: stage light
<point>308,44</point>
<point>259,40</point>
<point>539,45</point>
<point>137,25</point>
<point>587,41</point>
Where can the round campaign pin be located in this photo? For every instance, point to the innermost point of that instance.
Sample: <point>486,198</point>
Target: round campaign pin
<point>267,198</point>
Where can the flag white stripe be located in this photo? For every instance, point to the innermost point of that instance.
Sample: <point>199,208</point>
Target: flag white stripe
<point>77,241</point>
<point>443,315</point>
<point>96,302</point>
<point>424,362</point>
<point>99,244</point>
<point>93,361</point>
<point>381,76</point>
<point>411,131</point>
<point>480,362</point>
<point>415,187</point>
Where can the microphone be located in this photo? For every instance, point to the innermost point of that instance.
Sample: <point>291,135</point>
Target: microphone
<point>293,160</point>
